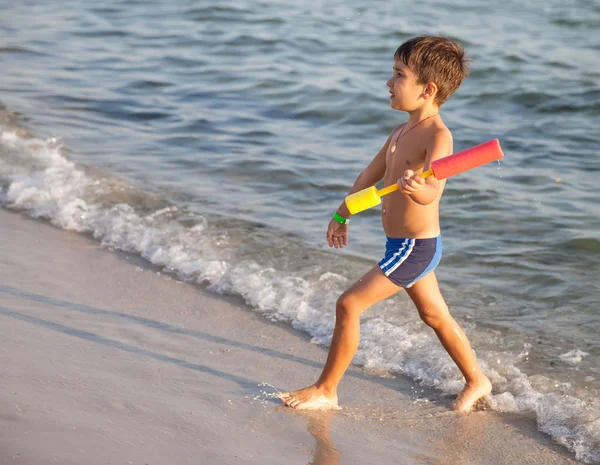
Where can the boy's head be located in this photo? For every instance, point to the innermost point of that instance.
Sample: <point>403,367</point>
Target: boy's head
<point>436,60</point>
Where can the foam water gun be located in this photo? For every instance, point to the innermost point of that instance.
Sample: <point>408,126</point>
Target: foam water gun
<point>441,169</point>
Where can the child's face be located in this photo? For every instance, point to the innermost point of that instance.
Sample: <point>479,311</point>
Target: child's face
<point>405,93</point>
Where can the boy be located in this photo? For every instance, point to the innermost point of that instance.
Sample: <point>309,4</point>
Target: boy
<point>427,70</point>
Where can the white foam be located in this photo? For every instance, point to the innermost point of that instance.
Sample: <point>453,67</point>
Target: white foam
<point>37,178</point>
<point>573,357</point>
<point>55,189</point>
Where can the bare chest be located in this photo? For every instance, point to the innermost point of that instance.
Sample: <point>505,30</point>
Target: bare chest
<point>409,155</point>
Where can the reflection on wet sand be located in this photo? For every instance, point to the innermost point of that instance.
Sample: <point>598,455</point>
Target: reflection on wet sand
<point>325,452</point>
<point>319,426</point>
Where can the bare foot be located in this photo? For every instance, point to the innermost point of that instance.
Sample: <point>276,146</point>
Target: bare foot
<point>471,394</point>
<point>310,398</point>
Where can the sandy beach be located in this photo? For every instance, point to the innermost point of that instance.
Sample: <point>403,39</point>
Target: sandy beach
<point>107,360</point>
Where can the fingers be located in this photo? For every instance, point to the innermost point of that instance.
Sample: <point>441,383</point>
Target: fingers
<point>340,242</point>
<point>418,179</point>
<point>411,182</point>
<point>337,241</point>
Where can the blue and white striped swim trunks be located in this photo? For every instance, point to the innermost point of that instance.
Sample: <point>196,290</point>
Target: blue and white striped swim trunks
<point>408,260</point>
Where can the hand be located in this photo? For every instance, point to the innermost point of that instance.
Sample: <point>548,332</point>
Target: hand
<point>411,182</point>
<point>337,234</point>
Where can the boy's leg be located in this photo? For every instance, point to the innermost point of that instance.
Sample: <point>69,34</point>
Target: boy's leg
<point>367,291</point>
<point>426,295</point>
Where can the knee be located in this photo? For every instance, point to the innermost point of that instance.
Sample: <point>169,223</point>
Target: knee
<point>347,307</point>
<point>435,316</point>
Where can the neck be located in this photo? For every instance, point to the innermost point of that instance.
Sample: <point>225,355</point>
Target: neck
<point>416,116</point>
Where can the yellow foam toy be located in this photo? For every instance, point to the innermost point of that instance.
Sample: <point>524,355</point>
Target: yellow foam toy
<point>371,197</point>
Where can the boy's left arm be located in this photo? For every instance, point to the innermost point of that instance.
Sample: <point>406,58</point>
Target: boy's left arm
<point>425,191</point>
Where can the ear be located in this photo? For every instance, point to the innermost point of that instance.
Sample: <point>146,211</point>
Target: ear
<point>429,90</point>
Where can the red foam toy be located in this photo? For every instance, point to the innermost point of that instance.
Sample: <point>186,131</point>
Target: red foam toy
<point>467,159</point>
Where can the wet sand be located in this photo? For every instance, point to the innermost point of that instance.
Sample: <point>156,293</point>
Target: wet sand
<point>105,360</point>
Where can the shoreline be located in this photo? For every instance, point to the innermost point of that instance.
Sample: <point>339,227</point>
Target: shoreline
<point>107,360</point>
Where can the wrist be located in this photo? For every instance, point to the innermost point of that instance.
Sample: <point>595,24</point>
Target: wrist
<point>340,219</point>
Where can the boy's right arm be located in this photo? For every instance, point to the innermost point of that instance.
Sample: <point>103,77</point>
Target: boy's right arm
<point>337,233</point>
<point>368,177</point>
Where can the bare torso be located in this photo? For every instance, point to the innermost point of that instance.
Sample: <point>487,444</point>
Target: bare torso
<point>401,216</point>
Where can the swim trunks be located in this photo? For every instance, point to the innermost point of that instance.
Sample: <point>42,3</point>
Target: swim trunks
<point>408,260</point>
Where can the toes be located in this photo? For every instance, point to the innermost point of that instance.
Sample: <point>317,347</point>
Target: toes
<point>294,403</point>
<point>291,401</point>
<point>483,403</point>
